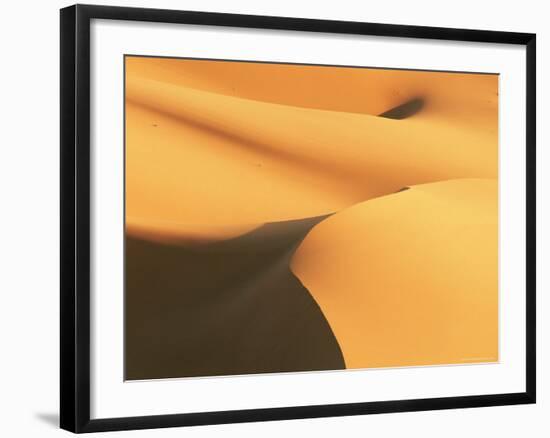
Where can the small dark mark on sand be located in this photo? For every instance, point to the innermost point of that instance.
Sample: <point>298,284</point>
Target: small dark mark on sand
<point>404,110</point>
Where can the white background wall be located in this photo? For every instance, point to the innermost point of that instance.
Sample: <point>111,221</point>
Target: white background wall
<point>29,248</point>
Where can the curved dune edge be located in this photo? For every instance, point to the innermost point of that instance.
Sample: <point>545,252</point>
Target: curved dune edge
<point>181,323</point>
<point>409,279</point>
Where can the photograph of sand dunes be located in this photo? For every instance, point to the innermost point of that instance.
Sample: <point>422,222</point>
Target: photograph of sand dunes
<point>291,217</point>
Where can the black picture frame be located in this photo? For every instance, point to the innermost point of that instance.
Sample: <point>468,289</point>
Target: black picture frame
<point>75,217</point>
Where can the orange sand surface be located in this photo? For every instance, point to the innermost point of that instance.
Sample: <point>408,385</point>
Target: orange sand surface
<point>228,144</point>
<point>215,150</point>
<point>409,278</point>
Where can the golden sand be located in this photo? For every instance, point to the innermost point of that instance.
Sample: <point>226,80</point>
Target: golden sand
<point>409,278</point>
<point>216,149</point>
<point>227,154</point>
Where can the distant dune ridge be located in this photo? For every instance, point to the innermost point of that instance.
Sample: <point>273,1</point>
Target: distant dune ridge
<point>267,229</point>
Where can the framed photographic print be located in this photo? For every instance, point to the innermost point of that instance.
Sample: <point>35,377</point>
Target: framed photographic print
<point>270,218</point>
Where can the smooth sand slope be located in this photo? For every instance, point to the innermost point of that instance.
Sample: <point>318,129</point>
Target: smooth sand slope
<point>238,161</point>
<point>229,166</point>
<point>409,278</point>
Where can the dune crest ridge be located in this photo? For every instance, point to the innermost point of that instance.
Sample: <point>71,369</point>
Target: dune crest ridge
<point>410,278</point>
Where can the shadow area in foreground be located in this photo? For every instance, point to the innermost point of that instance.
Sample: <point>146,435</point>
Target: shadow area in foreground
<point>225,308</point>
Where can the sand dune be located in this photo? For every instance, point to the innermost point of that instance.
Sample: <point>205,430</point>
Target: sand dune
<point>230,165</point>
<point>465,97</point>
<point>409,278</point>
<point>328,160</point>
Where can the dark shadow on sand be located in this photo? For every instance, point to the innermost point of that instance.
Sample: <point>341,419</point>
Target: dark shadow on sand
<point>226,308</point>
<point>405,110</point>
